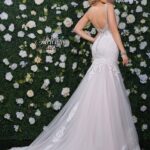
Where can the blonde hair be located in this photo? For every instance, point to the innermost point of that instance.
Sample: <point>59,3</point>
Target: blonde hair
<point>92,2</point>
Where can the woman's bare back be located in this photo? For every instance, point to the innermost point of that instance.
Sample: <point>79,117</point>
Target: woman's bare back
<point>101,15</point>
<point>97,15</point>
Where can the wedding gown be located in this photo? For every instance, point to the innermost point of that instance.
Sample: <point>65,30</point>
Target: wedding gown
<point>98,115</point>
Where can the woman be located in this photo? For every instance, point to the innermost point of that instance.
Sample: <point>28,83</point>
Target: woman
<point>98,115</point>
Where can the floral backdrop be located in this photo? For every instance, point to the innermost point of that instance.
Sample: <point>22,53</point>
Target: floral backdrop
<point>43,61</point>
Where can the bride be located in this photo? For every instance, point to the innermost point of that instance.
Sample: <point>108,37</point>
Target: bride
<point>98,115</point>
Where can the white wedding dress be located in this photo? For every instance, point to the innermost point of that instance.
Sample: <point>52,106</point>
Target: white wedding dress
<point>98,115</point>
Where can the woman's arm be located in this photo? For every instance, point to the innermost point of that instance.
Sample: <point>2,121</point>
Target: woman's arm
<point>80,26</point>
<point>115,32</point>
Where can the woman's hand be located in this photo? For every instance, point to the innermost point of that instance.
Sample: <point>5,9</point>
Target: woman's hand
<point>125,59</point>
<point>93,39</point>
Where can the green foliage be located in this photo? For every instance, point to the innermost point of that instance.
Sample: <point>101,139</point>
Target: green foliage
<point>76,51</point>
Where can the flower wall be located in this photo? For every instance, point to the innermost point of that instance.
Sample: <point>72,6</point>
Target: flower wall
<point>42,62</point>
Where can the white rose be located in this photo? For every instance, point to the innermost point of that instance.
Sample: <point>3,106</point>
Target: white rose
<point>23,53</point>
<point>54,35</point>
<point>31,24</point>
<point>86,4</point>
<point>62,65</point>
<point>80,14</point>
<point>130,1</point>
<point>139,9</point>
<point>40,31</point>
<point>131,38</point>
<point>7,37</point>
<point>16,85</point>
<point>62,58</point>
<point>30,55</point>
<point>144,127</point>
<point>19,101</point>
<point>11,27</point>
<point>143,108</point>
<point>143,45</point>
<point>7,116</point>
<point>68,22</point>
<point>31,35</point>
<point>143,64</point>
<point>38,2</point>
<point>30,93</point>
<point>38,112</point>
<point>144,29</point>
<point>4,16</point>
<point>49,59</point>
<point>2,27</point>
<point>32,104</point>
<point>74,65</point>
<point>22,7</point>
<point>48,29</point>
<point>144,96</point>
<point>74,51</point>
<point>20,115</point>
<point>45,84</point>
<point>64,7</point>
<point>137,30</point>
<point>42,19</point>
<point>57,79</point>
<point>13,66</point>
<point>16,127</point>
<point>122,25</point>
<point>143,21</point>
<point>117,12</point>
<point>137,71</point>
<point>8,2</point>
<point>23,64</point>
<point>144,2</point>
<point>20,34</point>
<point>66,43</point>
<point>143,78</point>
<point>31,120</point>
<point>140,38</point>
<point>57,105</point>
<point>132,49</point>
<point>1,98</point>
<point>24,16</point>
<point>46,68</point>
<point>48,105</point>
<point>130,19</point>
<point>65,92</point>
<point>33,45</point>
<point>34,68</point>
<point>6,61</point>
<point>74,4</point>
<point>33,12</point>
<point>8,76</point>
<point>124,14</point>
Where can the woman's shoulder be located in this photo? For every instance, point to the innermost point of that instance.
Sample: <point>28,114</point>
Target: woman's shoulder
<point>110,4</point>
<point>95,7</point>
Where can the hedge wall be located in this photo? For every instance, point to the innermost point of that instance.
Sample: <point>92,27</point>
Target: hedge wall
<point>42,62</point>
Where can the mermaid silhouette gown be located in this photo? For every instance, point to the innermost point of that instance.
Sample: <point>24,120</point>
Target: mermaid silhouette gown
<point>98,115</point>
